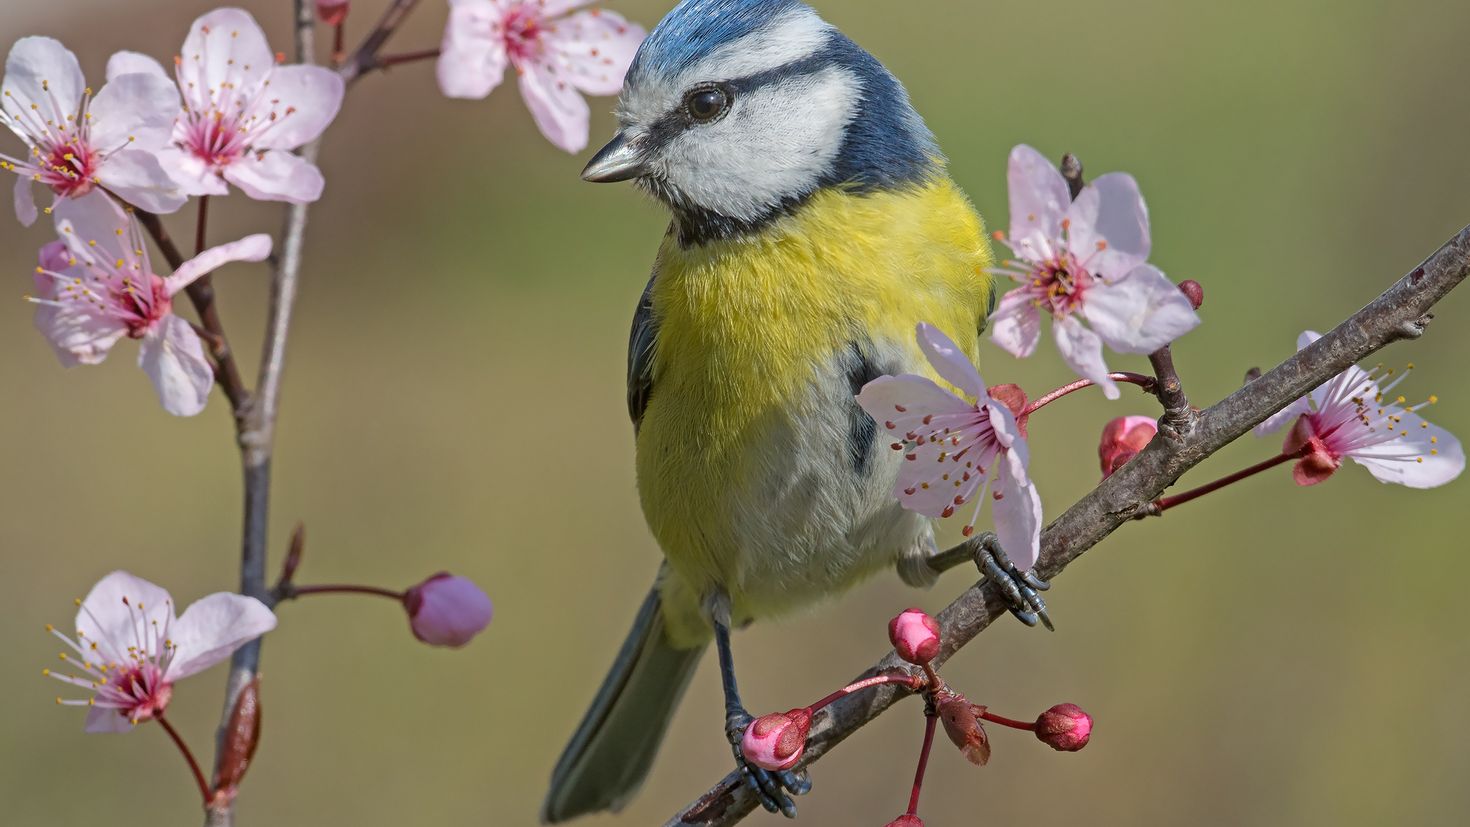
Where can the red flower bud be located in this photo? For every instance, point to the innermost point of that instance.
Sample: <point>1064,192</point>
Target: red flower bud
<point>446,610</point>
<point>961,721</point>
<point>1194,291</point>
<point>915,636</point>
<point>1064,727</point>
<point>907,821</point>
<point>241,736</point>
<point>1015,401</point>
<point>332,12</point>
<point>776,741</point>
<point>1122,439</point>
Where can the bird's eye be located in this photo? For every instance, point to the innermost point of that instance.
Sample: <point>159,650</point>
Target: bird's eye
<point>706,103</point>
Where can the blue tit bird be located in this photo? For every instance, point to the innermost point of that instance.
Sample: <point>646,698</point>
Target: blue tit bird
<point>814,226</point>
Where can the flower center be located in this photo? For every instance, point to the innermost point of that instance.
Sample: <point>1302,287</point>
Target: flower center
<point>139,691</point>
<point>522,31</point>
<point>140,312</point>
<point>69,169</point>
<point>214,138</point>
<point>1058,283</point>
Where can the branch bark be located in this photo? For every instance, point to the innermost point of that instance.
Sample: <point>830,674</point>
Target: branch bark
<point>1401,312</point>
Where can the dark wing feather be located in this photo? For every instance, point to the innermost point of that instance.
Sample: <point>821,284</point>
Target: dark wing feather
<point>640,355</point>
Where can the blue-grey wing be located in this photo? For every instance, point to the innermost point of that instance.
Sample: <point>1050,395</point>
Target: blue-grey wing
<point>640,355</point>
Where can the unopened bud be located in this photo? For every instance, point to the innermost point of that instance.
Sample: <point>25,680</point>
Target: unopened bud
<point>907,820</point>
<point>915,636</point>
<point>293,556</point>
<point>1194,291</point>
<point>332,12</point>
<point>447,611</point>
<point>1123,438</point>
<point>776,741</point>
<point>240,737</point>
<point>961,721</point>
<point>1064,727</point>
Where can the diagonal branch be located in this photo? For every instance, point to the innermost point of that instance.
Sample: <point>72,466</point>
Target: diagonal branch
<point>1401,312</point>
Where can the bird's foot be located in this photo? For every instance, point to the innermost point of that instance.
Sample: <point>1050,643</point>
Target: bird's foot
<point>772,788</point>
<point>1021,589</point>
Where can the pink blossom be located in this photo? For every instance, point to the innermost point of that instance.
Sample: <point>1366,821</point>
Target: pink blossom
<point>130,649</point>
<point>1122,438</point>
<point>954,449</point>
<point>99,286</point>
<point>776,742</point>
<point>77,142</point>
<point>1355,415</point>
<point>557,57</point>
<point>243,114</point>
<point>1083,260</point>
<point>447,611</point>
<point>915,636</point>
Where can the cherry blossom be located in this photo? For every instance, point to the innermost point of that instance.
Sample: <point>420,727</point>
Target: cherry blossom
<point>130,649</point>
<point>99,286</point>
<point>1083,260</point>
<point>1356,415</point>
<point>243,114</point>
<point>954,450</point>
<point>77,142</point>
<point>557,58</point>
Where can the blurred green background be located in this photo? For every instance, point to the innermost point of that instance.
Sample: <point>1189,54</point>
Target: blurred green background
<point>454,399</point>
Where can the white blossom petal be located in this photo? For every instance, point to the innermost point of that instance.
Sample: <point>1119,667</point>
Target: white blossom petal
<point>277,175</point>
<point>949,361</point>
<point>472,61</point>
<point>1109,226</point>
<point>1139,313</point>
<point>557,107</point>
<point>1082,350</point>
<point>173,357</point>
<point>1016,323</point>
<point>212,628</point>
<point>1038,200</point>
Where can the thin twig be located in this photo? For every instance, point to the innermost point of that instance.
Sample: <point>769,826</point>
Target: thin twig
<point>1178,415</point>
<point>1401,312</point>
<point>365,59</point>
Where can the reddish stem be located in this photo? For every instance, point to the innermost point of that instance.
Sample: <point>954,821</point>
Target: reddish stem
<point>406,57</point>
<point>1145,382</point>
<point>1029,726</point>
<point>188,756</point>
<point>879,680</point>
<point>1161,505</point>
<point>297,591</point>
<point>931,717</point>
<point>201,224</point>
<point>339,43</point>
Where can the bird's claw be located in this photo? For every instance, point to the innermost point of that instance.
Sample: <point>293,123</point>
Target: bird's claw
<point>1021,589</point>
<point>771,788</point>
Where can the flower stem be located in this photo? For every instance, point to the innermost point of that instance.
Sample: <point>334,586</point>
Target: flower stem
<point>1145,382</point>
<point>1029,726</point>
<point>931,717</point>
<point>1161,505</point>
<point>201,224</point>
<point>406,57</point>
<point>188,756</point>
<point>878,680</point>
<point>298,591</point>
<point>339,43</point>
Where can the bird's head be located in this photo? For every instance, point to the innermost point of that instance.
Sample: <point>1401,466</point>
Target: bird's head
<point>735,111</point>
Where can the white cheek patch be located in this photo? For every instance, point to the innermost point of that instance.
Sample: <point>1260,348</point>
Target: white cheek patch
<point>777,142</point>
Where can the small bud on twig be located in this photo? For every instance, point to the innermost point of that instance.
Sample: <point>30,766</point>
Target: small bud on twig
<point>961,721</point>
<point>1194,291</point>
<point>1123,438</point>
<point>447,611</point>
<point>776,741</point>
<point>915,636</point>
<point>332,12</point>
<point>1064,727</point>
<point>241,735</point>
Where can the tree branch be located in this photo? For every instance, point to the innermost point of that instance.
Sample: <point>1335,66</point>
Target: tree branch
<point>1401,312</point>
<point>365,59</point>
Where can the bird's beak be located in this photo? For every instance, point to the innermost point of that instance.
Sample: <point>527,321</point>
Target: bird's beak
<point>620,160</point>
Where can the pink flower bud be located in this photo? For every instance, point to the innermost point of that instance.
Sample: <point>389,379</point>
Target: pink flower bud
<point>776,741</point>
<point>1122,439</point>
<point>332,12</point>
<point>1064,727</point>
<point>961,721</point>
<point>446,610</point>
<point>907,821</point>
<point>1194,291</point>
<point>915,636</point>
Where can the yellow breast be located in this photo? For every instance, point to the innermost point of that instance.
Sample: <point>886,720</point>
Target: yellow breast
<point>745,327</point>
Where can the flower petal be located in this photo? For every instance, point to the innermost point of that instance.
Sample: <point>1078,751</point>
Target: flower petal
<point>557,107</point>
<point>890,398</point>
<point>1038,198</point>
<point>25,201</point>
<point>1283,417</point>
<point>1139,313</point>
<point>136,111</point>
<point>104,720</point>
<point>1017,513</point>
<point>119,612</point>
<point>212,628</point>
<point>191,173</point>
<point>138,178</point>
<point>277,175</point>
<point>173,357</point>
<point>126,63</point>
<point>1428,456</point>
<point>305,99</point>
<point>90,227</point>
<point>949,362</point>
<point>78,332</point>
<point>472,59</point>
<point>250,248</point>
<point>1082,350</point>
<point>225,58</point>
<point>1109,212</point>
<point>42,72</point>
<point>594,49</point>
<point>1016,323</point>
